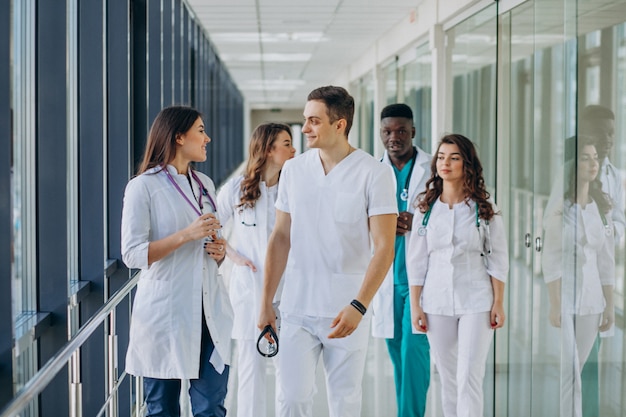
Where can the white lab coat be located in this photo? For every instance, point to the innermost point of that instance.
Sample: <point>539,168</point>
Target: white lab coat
<point>382,305</point>
<point>579,250</point>
<point>246,286</point>
<point>447,261</point>
<point>166,323</point>
<point>611,180</point>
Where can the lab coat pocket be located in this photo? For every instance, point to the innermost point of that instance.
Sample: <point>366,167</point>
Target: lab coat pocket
<point>241,287</point>
<point>152,313</point>
<point>348,207</point>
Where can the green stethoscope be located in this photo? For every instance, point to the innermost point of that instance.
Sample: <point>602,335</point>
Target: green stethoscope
<point>422,229</point>
<point>607,229</point>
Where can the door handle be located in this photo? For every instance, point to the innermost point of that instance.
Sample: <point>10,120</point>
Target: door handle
<point>527,240</point>
<point>538,244</point>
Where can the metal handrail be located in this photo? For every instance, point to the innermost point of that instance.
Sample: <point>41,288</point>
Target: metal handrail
<point>42,378</point>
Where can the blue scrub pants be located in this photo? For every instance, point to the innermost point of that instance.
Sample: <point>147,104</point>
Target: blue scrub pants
<point>410,356</point>
<point>207,393</point>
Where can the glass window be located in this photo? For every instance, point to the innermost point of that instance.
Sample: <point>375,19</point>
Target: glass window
<point>23,185</point>
<point>473,50</point>
<point>363,124</point>
<point>390,82</point>
<point>417,86</point>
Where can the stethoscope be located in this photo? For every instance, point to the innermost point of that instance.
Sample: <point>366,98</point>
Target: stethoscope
<point>404,195</point>
<point>242,213</point>
<point>422,229</point>
<point>203,192</point>
<point>607,229</point>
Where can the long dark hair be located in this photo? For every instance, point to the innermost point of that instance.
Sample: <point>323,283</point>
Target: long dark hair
<point>161,145</point>
<point>473,185</point>
<point>261,142</point>
<point>602,199</point>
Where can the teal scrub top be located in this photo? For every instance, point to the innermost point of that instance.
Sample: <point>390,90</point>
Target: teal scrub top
<point>399,262</point>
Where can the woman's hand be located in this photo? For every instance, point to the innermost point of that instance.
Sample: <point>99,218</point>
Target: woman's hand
<point>239,259</point>
<point>206,225</point>
<point>216,249</point>
<point>555,315</point>
<point>497,315</point>
<point>608,318</point>
<point>418,318</point>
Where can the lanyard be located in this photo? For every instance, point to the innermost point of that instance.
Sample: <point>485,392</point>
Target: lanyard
<point>203,191</point>
<point>404,195</point>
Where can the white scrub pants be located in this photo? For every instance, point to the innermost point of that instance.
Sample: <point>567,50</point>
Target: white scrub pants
<point>578,334</point>
<point>302,341</point>
<point>460,345</point>
<point>252,379</point>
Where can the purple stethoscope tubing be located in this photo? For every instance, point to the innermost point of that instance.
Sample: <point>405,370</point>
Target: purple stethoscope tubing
<point>203,191</point>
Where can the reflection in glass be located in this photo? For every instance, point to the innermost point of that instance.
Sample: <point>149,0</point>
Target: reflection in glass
<point>578,265</point>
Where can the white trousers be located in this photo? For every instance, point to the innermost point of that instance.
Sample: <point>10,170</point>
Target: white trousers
<point>252,379</point>
<point>578,334</point>
<point>460,345</point>
<point>302,341</point>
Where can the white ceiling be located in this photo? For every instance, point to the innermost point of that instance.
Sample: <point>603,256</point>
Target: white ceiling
<point>277,51</point>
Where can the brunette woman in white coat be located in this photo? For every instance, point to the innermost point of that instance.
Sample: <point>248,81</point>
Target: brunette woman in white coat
<point>579,267</point>
<point>181,318</point>
<point>248,200</point>
<point>457,264</point>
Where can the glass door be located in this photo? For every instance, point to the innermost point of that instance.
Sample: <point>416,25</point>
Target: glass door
<point>561,67</point>
<point>535,88</point>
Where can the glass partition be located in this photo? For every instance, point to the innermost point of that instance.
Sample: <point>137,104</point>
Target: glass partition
<point>472,46</point>
<point>563,82</point>
<point>23,264</point>
<point>417,86</point>
<point>390,82</point>
<point>363,126</point>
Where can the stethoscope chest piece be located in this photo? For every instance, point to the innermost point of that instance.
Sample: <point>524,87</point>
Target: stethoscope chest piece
<point>421,231</point>
<point>404,195</point>
<point>265,347</point>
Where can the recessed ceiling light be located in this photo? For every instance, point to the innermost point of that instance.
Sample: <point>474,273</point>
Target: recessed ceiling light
<point>265,57</point>
<point>253,37</point>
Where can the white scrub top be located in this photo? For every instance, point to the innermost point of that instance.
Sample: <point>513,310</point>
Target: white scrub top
<point>330,237</point>
<point>166,321</point>
<point>382,305</point>
<point>251,228</point>
<point>447,260</point>
<point>579,250</point>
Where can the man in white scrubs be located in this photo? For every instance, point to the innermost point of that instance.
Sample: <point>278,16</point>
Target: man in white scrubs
<point>336,220</point>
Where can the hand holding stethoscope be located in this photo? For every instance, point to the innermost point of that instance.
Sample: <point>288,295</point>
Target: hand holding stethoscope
<point>208,227</point>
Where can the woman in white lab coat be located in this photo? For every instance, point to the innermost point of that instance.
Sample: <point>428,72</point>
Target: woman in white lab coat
<point>248,200</point>
<point>457,264</point>
<point>579,267</point>
<point>181,318</point>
